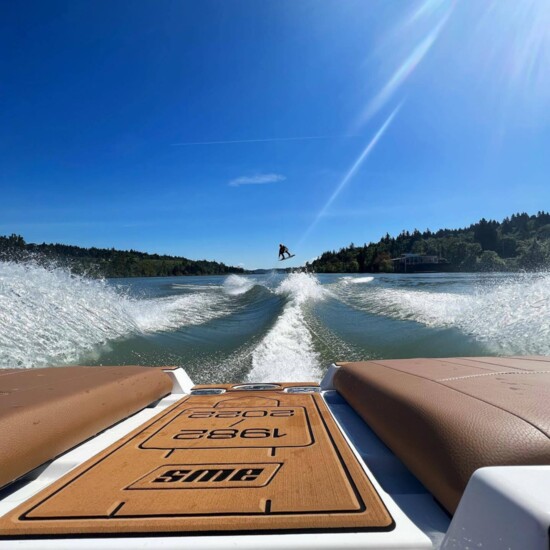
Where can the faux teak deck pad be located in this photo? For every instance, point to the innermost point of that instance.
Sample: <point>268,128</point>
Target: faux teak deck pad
<point>236,462</point>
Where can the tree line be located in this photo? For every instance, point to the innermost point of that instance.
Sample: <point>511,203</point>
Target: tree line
<point>108,262</point>
<point>519,242</point>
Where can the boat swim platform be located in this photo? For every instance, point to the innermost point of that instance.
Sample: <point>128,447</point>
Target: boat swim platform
<point>238,462</point>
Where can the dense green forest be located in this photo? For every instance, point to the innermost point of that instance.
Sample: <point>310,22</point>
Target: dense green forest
<point>105,262</point>
<point>520,242</point>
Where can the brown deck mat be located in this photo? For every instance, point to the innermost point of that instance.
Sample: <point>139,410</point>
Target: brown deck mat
<point>240,462</point>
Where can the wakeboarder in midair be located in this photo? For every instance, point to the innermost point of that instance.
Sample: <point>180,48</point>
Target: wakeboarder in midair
<point>282,251</point>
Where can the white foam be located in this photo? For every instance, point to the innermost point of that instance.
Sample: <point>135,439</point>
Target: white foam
<point>301,287</point>
<point>171,313</point>
<point>49,316</point>
<point>287,351</point>
<point>235,285</point>
<point>511,317</point>
<point>357,280</point>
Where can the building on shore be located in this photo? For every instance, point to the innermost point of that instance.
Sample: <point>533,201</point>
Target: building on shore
<point>419,263</point>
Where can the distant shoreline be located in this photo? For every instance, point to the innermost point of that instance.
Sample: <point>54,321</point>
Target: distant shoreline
<point>109,263</point>
<point>518,243</point>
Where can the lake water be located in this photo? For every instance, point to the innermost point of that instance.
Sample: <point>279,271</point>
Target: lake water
<point>268,327</point>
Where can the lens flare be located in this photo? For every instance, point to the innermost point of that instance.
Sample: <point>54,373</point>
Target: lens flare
<point>516,49</point>
<point>401,74</point>
<point>351,172</point>
<point>425,25</point>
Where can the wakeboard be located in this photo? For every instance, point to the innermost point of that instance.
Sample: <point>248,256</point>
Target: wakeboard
<point>287,258</point>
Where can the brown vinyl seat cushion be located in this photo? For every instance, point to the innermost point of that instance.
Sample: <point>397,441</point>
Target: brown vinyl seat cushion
<point>445,418</point>
<point>44,412</point>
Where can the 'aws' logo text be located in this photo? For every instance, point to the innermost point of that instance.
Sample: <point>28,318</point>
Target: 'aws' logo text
<point>208,476</point>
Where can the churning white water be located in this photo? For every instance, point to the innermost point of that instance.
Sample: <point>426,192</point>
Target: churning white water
<point>235,285</point>
<point>272,327</point>
<point>50,316</point>
<point>510,316</point>
<point>287,352</point>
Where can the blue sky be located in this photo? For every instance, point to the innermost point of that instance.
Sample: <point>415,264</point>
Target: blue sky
<point>219,128</point>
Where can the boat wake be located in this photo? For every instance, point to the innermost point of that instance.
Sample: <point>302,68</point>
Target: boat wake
<point>510,316</point>
<point>287,351</point>
<point>50,316</point>
<point>235,285</point>
<point>261,328</point>
<point>356,280</point>
<point>171,313</point>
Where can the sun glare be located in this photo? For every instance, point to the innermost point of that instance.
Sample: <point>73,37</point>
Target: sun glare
<point>404,49</point>
<point>516,52</point>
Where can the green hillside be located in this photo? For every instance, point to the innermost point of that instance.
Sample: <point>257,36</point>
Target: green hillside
<point>105,262</point>
<point>520,242</point>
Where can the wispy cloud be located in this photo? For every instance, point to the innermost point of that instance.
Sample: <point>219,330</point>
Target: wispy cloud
<point>258,179</point>
<point>264,140</point>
